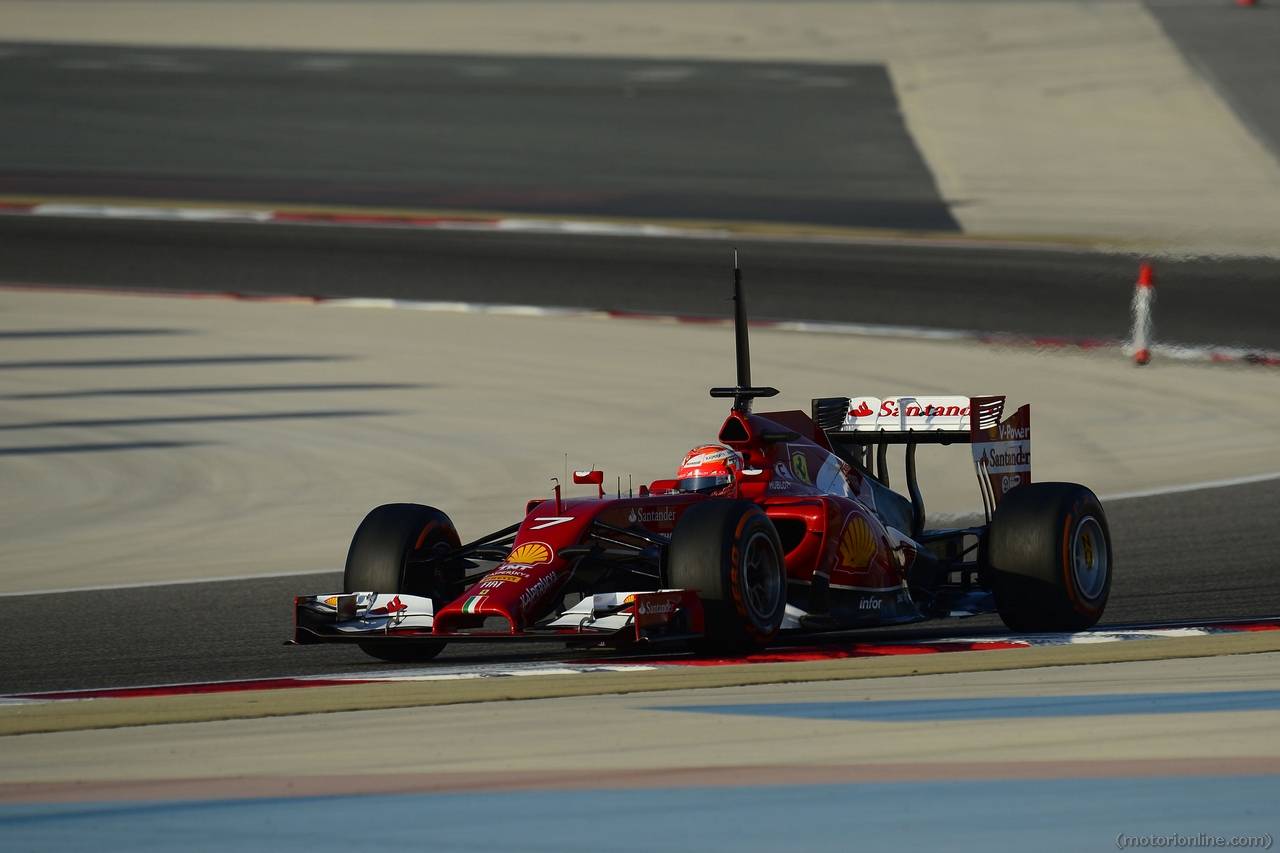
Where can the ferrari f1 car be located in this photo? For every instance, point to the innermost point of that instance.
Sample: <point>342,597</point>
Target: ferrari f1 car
<point>788,524</point>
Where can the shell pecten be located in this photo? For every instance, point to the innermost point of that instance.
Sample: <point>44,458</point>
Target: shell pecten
<point>530,554</point>
<point>857,544</point>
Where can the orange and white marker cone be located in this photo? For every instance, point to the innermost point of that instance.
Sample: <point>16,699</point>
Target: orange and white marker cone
<point>1246,2</point>
<point>1144,296</point>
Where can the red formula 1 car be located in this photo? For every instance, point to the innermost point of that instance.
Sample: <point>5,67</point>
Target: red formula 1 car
<point>788,524</point>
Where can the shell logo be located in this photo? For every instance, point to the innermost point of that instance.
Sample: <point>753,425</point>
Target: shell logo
<point>530,554</point>
<point>857,544</point>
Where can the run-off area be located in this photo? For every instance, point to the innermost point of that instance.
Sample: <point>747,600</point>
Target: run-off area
<point>957,816</point>
<point>1178,747</point>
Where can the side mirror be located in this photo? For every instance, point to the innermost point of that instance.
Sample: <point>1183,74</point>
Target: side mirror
<point>594,478</point>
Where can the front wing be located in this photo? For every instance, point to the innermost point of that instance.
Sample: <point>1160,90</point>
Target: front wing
<point>622,617</point>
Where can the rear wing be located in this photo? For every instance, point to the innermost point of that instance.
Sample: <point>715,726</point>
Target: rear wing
<point>864,427</point>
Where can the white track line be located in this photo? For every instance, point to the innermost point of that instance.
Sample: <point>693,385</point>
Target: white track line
<point>1193,487</point>
<point>460,307</point>
<point>811,326</point>
<point>479,222</point>
<point>124,211</point>
<point>1179,352</point>
<point>184,582</point>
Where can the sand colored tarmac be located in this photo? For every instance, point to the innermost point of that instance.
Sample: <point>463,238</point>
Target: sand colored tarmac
<point>21,716</point>
<point>253,437</point>
<point>634,732</point>
<point>1047,120</point>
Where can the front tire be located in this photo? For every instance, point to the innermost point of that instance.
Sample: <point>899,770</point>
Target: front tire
<point>1049,556</point>
<point>729,551</point>
<point>378,561</point>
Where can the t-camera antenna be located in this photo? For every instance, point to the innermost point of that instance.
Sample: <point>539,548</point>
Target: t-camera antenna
<point>744,392</point>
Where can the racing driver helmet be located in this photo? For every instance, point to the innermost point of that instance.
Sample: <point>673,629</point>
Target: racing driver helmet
<point>708,468</point>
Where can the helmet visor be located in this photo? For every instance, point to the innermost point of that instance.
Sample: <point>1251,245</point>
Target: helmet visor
<point>702,484</point>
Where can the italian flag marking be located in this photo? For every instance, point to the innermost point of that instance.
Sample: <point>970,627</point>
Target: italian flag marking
<point>472,604</point>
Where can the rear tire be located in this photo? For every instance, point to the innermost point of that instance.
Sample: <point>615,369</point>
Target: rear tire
<point>729,551</point>
<point>1049,556</point>
<point>378,562</point>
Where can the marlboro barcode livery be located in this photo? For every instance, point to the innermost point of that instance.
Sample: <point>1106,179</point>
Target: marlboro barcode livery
<point>786,522</point>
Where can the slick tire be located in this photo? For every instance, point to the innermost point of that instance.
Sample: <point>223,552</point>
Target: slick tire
<point>378,562</point>
<point>729,551</point>
<point>1049,558</point>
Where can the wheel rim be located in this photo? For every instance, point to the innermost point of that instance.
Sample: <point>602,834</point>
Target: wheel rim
<point>761,580</point>
<point>1089,558</point>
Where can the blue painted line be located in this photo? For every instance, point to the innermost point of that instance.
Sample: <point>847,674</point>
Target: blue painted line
<point>926,710</point>
<point>1049,816</point>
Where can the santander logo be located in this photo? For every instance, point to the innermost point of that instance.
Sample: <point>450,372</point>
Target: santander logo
<point>890,408</point>
<point>647,608</point>
<point>902,412</point>
<point>661,514</point>
<point>395,605</point>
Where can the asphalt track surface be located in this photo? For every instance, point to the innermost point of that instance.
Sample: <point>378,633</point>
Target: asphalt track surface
<point>798,142</point>
<point>1186,556</point>
<point>1236,53</point>
<point>1039,292</point>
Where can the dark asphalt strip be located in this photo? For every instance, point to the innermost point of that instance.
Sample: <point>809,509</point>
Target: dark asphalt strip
<point>1077,294</point>
<point>791,142</point>
<point>1188,556</point>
